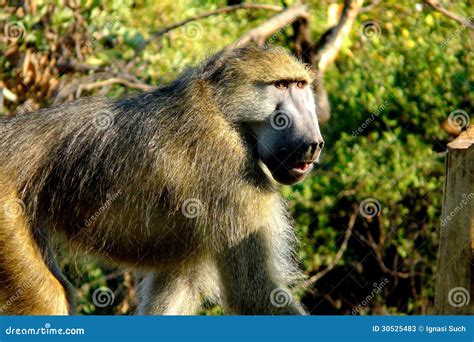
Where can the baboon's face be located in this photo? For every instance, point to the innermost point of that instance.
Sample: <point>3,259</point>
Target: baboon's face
<point>288,139</point>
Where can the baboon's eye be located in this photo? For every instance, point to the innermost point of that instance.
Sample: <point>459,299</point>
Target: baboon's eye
<point>300,84</point>
<point>281,84</point>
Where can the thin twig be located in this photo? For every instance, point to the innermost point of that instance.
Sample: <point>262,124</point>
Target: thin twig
<point>313,279</point>
<point>370,6</point>
<point>227,9</point>
<point>116,80</point>
<point>378,255</point>
<point>98,80</point>
<point>456,17</point>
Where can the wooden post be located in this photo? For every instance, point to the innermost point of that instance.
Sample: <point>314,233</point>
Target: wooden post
<point>455,275</point>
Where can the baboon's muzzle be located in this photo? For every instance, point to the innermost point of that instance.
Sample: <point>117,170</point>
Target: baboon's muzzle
<point>292,165</point>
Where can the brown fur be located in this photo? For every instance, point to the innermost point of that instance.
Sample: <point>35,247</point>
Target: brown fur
<point>185,141</point>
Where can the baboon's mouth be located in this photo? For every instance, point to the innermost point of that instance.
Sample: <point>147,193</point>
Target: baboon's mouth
<point>299,170</point>
<point>289,172</point>
<point>301,166</point>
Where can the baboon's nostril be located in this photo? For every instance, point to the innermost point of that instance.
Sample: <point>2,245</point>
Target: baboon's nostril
<point>312,148</point>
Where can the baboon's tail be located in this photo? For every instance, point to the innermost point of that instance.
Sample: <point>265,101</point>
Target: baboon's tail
<point>29,282</point>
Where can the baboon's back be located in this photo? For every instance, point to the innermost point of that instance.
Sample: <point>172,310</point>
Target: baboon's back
<point>66,158</point>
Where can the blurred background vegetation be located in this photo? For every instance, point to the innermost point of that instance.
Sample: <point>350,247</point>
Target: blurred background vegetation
<point>412,72</point>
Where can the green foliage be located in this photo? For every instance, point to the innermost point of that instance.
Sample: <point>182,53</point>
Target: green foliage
<point>411,75</point>
<point>408,66</point>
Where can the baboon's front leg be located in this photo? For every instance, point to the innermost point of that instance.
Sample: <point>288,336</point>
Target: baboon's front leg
<point>250,287</point>
<point>171,292</point>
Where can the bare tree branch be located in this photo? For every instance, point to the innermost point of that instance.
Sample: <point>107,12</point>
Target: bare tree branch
<point>370,6</point>
<point>319,55</point>
<point>330,42</point>
<point>325,51</point>
<point>298,16</point>
<point>303,42</point>
<point>274,24</point>
<point>378,255</point>
<point>468,22</point>
<point>114,80</point>
<point>227,9</point>
<point>313,279</point>
<point>71,64</point>
<point>99,80</point>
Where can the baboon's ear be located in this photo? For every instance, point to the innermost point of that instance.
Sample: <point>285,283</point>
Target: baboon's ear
<point>214,66</point>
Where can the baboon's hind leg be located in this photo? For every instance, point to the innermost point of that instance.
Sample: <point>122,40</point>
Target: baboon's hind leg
<point>170,292</point>
<point>27,286</point>
<point>178,290</point>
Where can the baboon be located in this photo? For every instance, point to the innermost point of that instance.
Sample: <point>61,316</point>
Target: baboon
<point>178,183</point>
